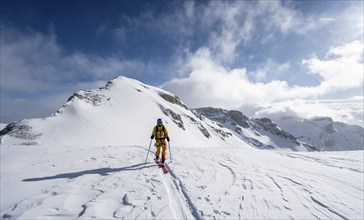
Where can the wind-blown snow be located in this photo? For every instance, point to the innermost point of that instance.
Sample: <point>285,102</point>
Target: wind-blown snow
<point>109,182</point>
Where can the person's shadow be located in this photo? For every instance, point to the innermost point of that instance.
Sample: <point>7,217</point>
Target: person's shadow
<point>100,171</point>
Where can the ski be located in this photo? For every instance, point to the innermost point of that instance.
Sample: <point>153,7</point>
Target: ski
<point>164,168</point>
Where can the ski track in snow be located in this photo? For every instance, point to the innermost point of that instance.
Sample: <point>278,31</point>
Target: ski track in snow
<point>112,182</point>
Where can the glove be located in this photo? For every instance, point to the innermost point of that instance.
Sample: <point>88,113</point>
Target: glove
<point>151,137</point>
<point>168,139</point>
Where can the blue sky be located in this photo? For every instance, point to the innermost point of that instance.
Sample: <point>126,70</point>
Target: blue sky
<point>242,54</point>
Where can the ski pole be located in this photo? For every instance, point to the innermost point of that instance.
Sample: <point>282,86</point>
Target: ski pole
<point>148,151</point>
<point>170,153</point>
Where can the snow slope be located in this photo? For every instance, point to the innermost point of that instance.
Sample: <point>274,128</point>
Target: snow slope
<point>123,112</point>
<point>112,182</point>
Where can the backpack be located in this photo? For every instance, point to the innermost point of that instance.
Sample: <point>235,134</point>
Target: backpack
<point>159,132</point>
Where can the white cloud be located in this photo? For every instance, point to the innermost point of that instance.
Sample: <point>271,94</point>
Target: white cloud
<point>244,23</point>
<point>34,62</point>
<point>350,51</point>
<point>270,70</point>
<point>345,110</point>
<point>224,26</point>
<point>211,84</point>
<point>343,69</point>
<point>208,83</point>
<point>349,24</point>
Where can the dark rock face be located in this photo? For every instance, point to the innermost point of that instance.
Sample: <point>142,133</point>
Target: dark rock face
<point>239,118</point>
<point>215,114</point>
<point>7,129</point>
<point>107,86</point>
<point>203,130</point>
<point>223,116</point>
<point>90,97</point>
<point>21,131</point>
<point>173,99</point>
<point>271,127</point>
<point>176,118</point>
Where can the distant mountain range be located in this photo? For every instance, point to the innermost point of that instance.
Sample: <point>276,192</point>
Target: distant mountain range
<point>320,133</point>
<point>124,111</point>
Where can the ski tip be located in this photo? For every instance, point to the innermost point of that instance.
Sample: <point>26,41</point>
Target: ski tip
<point>164,170</point>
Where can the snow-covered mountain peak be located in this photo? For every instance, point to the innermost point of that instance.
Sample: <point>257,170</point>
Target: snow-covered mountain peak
<point>123,112</point>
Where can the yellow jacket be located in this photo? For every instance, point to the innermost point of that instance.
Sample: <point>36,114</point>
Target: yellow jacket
<point>160,133</point>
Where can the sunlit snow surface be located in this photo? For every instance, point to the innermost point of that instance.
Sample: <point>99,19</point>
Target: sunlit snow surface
<point>112,182</point>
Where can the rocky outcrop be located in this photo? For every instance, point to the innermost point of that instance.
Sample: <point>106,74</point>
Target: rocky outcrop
<point>90,97</point>
<point>176,118</point>
<point>21,132</point>
<point>203,130</point>
<point>269,126</point>
<point>173,99</point>
<point>251,130</point>
<point>239,118</point>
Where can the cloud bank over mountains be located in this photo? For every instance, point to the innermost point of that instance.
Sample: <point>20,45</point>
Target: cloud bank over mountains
<point>210,84</point>
<point>232,54</point>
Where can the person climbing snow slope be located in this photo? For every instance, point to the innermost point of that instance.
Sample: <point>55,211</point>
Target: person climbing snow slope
<point>160,134</point>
